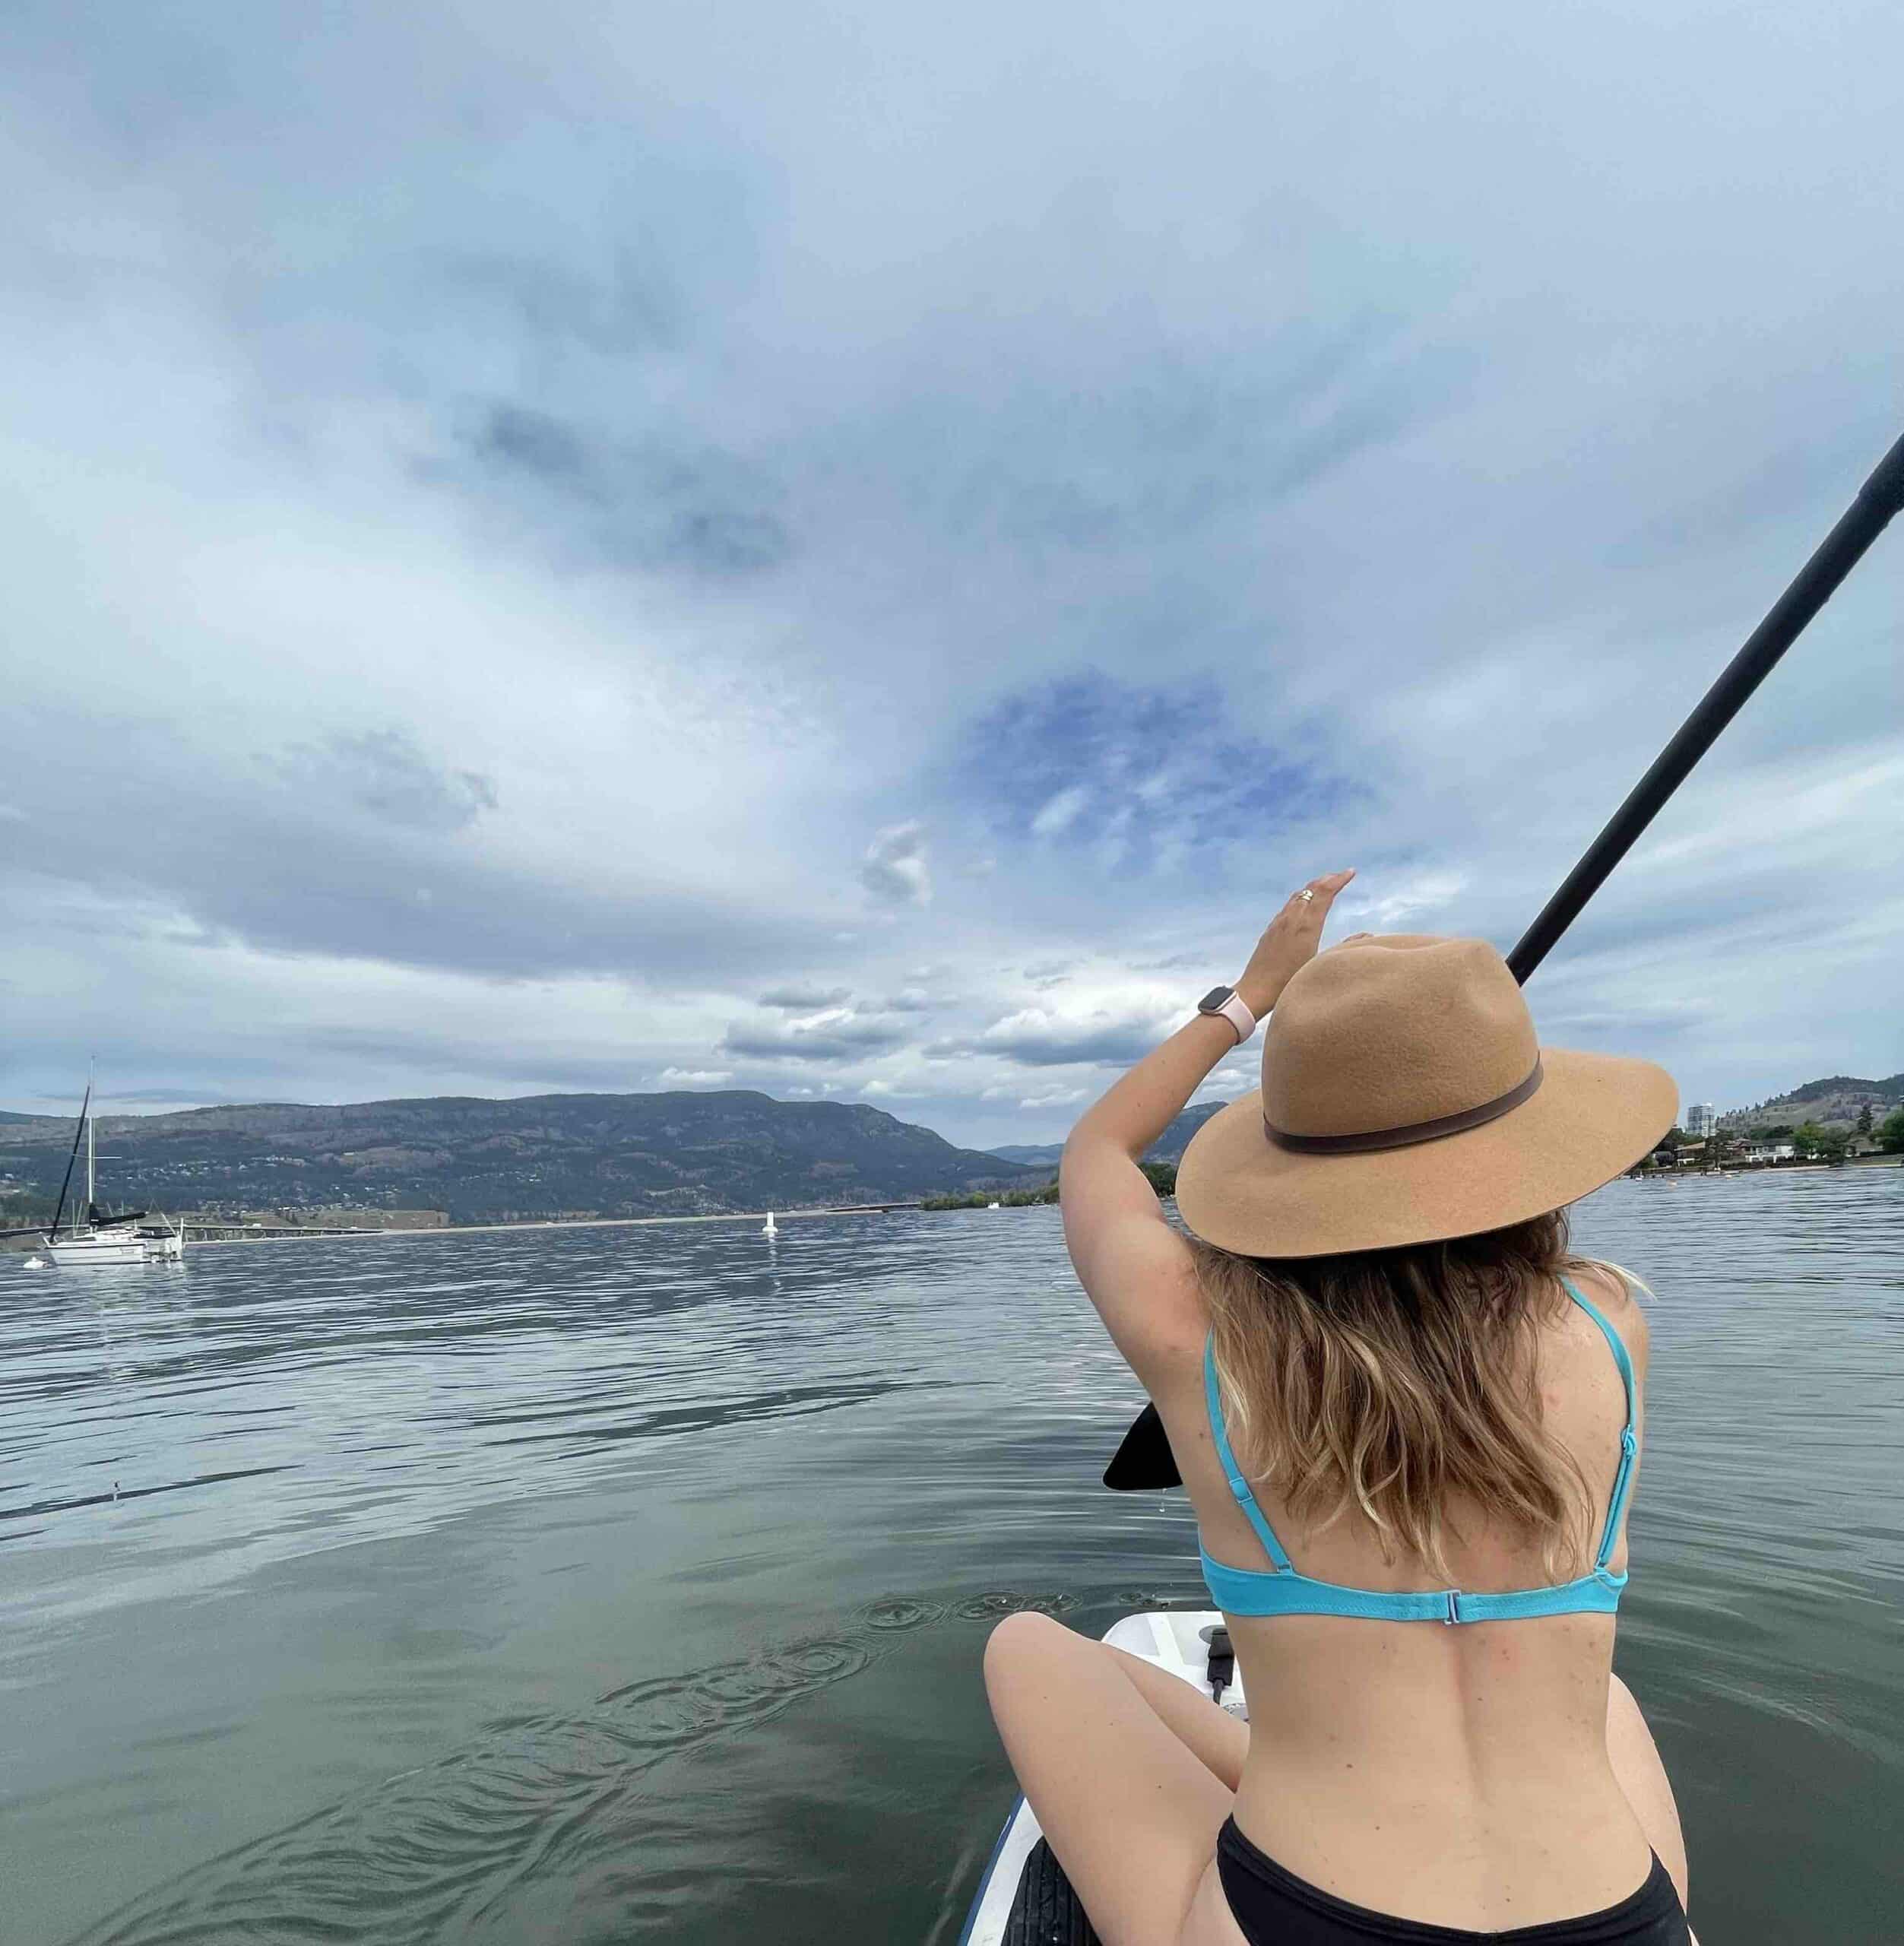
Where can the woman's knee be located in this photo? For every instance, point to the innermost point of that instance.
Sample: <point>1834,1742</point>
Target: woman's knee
<point>1021,1642</point>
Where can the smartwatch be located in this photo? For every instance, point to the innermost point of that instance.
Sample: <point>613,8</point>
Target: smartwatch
<point>1225,1000</point>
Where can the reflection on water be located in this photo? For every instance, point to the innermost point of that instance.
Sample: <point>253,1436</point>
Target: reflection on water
<point>614,1584</point>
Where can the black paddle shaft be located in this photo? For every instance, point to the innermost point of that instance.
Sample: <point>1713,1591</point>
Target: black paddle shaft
<point>1879,500</point>
<point>1144,1460</point>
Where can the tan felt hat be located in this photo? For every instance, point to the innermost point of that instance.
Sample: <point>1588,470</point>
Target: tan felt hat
<point>1405,1098</point>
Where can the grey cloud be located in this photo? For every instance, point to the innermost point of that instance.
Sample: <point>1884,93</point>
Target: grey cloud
<point>845,1041</point>
<point>1115,1046</point>
<point>702,510</point>
<point>521,1071</point>
<point>383,772</point>
<point>513,435</point>
<point>1057,1044</point>
<point>895,870</point>
<point>619,309</point>
<point>285,873</point>
<point>193,1093</point>
<point>805,1000</point>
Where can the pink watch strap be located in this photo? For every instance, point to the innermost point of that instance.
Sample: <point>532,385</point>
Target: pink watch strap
<point>1239,1016</point>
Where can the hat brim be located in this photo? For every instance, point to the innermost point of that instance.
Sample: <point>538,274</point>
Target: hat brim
<point>1592,1118</point>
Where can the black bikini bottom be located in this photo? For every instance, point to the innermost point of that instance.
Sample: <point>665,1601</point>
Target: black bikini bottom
<point>1275,1908</point>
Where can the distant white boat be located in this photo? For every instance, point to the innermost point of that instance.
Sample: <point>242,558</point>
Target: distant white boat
<point>98,1239</point>
<point>994,1206</point>
<point>107,1244</point>
<point>769,1229</point>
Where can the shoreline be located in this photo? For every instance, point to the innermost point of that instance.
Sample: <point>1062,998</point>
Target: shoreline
<point>549,1223</point>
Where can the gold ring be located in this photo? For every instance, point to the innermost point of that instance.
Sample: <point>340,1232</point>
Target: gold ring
<point>1307,897</point>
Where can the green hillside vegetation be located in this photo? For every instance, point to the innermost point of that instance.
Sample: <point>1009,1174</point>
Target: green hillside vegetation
<point>1835,1100</point>
<point>1163,1179</point>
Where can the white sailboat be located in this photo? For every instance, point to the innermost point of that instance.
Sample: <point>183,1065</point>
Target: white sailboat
<point>99,1239</point>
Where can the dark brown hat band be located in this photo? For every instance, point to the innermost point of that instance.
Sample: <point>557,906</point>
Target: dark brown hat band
<point>1414,1132</point>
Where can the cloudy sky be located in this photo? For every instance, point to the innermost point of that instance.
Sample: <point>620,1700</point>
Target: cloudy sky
<point>860,550</point>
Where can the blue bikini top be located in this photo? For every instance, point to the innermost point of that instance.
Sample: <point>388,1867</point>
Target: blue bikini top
<point>1256,1591</point>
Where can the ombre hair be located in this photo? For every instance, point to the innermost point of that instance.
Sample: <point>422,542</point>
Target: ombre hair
<point>1398,1381</point>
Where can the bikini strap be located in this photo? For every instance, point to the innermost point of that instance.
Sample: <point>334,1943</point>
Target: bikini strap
<point>1239,1486</point>
<point>1629,1442</point>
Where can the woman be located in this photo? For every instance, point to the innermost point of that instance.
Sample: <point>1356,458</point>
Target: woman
<point>1408,1420</point>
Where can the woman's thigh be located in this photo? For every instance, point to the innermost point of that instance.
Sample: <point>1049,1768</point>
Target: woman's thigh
<point>1643,1776</point>
<point>1130,1806</point>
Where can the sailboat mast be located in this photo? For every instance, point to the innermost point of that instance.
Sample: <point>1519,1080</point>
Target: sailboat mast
<point>72,1156</point>
<point>92,1196</point>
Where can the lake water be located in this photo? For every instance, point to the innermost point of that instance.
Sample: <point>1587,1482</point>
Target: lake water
<point>630,1584</point>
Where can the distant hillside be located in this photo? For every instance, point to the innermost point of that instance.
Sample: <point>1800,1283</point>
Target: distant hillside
<point>1169,1147</point>
<point>679,1153</point>
<point>1836,1099</point>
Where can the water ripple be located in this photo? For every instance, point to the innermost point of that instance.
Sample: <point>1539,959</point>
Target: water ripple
<point>430,1852</point>
<point>290,1518</point>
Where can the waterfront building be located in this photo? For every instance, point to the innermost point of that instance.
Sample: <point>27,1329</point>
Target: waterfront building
<point>1699,1119</point>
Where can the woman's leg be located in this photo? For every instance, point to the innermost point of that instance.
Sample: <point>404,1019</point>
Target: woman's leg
<point>1124,1773</point>
<point>1643,1776</point>
<point>1218,1740</point>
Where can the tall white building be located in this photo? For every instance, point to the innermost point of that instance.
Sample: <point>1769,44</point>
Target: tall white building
<point>1699,1120</point>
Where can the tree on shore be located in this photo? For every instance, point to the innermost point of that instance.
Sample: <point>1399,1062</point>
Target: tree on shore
<point>1890,1132</point>
<point>1864,1120</point>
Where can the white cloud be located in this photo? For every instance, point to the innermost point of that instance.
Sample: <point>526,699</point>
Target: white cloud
<point>1060,812</point>
<point>1053,1097</point>
<point>505,605</point>
<point>1402,906</point>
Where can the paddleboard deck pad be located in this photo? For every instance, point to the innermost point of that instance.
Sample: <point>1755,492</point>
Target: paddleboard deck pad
<point>1025,1899</point>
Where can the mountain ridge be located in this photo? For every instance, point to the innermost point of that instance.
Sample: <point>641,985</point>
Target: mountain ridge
<point>682,1152</point>
<point>1168,1147</point>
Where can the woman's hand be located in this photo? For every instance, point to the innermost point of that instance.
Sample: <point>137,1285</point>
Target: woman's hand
<point>1290,943</point>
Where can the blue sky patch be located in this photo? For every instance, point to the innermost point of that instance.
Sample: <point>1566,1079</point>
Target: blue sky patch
<point>1136,776</point>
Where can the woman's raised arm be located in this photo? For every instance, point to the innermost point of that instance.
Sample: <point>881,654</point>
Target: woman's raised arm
<point>1133,1266</point>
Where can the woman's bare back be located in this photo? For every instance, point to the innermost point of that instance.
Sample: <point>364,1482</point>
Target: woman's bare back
<point>1461,1775</point>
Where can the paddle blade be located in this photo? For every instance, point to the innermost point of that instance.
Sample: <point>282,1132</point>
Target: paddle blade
<point>1144,1462</point>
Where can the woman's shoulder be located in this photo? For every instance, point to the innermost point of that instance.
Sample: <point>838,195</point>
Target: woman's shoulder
<point>1610,1293</point>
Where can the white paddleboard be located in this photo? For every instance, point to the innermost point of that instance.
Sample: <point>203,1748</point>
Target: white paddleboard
<point>1016,1903</point>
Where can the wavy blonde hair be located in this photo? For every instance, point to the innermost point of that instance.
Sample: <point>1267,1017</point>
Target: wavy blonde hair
<point>1395,1381</point>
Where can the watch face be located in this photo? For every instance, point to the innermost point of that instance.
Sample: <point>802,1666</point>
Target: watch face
<point>1212,1001</point>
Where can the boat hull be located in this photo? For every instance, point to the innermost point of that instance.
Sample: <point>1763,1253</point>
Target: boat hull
<point>102,1248</point>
